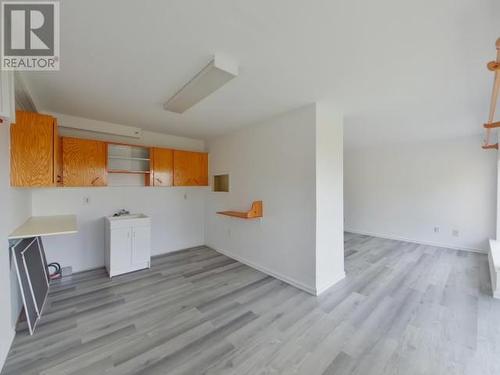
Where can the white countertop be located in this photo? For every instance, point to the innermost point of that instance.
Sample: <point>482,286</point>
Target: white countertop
<point>40,226</point>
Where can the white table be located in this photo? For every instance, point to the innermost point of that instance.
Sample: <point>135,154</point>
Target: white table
<point>41,226</point>
<point>32,270</point>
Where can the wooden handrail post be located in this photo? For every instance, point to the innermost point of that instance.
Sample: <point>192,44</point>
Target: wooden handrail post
<point>494,95</point>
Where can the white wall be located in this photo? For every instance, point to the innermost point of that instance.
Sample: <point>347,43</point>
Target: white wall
<point>497,214</point>
<point>273,162</point>
<point>177,223</point>
<point>177,213</point>
<point>494,17</point>
<point>148,138</point>
<point>276,162</point>
<point>329,197</point>
<point>405,190</point>
<point>15,206</point>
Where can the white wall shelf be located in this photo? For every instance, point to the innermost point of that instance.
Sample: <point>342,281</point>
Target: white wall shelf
<point>127,164</point>
<point>127,171</point>
<point>128,158</point>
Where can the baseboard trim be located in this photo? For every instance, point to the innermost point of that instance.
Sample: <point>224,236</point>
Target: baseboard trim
<point>429,243</point>
<point>325,287</point>
<point>152,257</point>
<point>172,252</point>
<point>277,275</point>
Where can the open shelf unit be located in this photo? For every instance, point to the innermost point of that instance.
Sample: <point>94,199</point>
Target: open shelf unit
<point>128,158</point>
<point>128,172</point>
<point>129,165</point>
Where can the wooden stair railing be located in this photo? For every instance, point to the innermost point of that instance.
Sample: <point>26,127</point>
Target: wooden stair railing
<point>493,66</point>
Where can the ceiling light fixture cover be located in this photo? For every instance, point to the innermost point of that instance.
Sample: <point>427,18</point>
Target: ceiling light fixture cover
<point>212,77</point>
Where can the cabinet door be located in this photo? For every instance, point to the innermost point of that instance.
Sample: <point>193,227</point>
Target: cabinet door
<point>163,167</point>
<point>121,249</point>
<point>32,150</point>
<point>58,168</point>
<point>190,168</point>
<point>141,249</point>
<point>84,162</point>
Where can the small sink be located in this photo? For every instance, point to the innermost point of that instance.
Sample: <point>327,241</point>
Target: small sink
<point>128,220</point>
<point>128,217</point>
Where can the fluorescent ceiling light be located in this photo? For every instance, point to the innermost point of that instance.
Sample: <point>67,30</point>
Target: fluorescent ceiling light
<point>212,77</point>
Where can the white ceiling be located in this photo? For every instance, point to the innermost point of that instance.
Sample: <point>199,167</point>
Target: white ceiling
<point>398,69</point>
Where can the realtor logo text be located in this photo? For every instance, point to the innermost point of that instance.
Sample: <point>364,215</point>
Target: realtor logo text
<point>30,35</point>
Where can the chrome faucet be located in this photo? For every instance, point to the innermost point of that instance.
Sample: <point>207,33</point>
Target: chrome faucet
<point>122,212</point>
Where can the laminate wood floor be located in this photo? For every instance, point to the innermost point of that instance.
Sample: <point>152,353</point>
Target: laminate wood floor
<point>402,309</point>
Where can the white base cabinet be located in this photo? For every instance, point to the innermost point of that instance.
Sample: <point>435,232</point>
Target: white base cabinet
<point>128,244</point>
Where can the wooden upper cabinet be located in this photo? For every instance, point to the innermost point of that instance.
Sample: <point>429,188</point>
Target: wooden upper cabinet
<point>84,162</point>
<point>41,158</point>
<point>58,167</point>
<point>162,160</point>
<point>190,168</point>
<point>32,150</point>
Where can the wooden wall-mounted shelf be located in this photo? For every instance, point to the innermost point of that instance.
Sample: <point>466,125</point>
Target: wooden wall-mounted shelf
<point>490,147</point>
<point>254,212</point>
<point>492,125</point>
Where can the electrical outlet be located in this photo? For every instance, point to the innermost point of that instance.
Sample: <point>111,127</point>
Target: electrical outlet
<point>455,233</point>
<point>86,200</point>
<point>66,271</point>
<point>436,229</point>
<point>185,196</point>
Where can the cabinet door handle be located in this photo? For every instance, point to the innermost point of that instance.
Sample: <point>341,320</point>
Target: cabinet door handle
<point>160,181</point>
<point>95,180</point>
